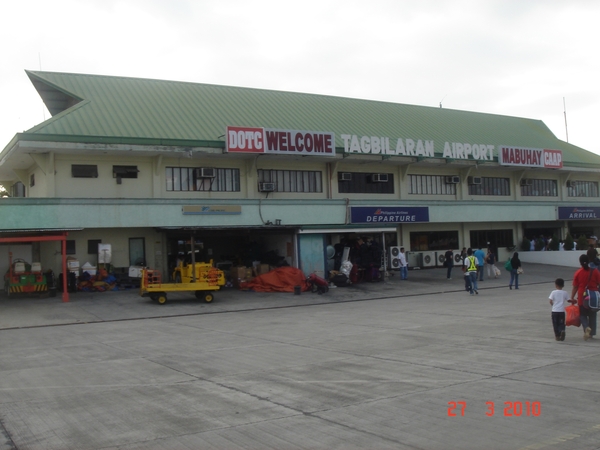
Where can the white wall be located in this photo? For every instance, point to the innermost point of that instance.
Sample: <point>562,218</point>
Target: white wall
<point>556,258</point>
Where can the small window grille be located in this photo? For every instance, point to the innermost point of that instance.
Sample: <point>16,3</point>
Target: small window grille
<point>84,171</point>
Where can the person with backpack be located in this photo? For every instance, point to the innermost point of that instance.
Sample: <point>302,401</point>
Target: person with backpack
<point>515,265</point>
<point>584,279</point>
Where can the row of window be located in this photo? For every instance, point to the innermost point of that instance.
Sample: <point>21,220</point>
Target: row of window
<point>228,180</point>
<point>441,185</point>
<point>444,240</point>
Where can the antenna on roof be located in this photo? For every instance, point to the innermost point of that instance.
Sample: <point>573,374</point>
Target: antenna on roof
<point>565,109</point>
<point>443,100</point>
<point>40,63</point>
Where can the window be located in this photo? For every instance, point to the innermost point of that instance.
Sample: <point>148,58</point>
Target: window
<point>430,185</point>
<point>93,246</point>
<point>84,171</point>
<point>120,172</point>
<point>539,188</point>
<point>292,180</point>
<point>71,246</point>
<point>496,238</point>
<point>582,189</point>
<point>433,240</point>
<point>367,183</point>
<point>137,252</point>
<point>192,179</point>
<point>17,190</point>
<point>491,186</point>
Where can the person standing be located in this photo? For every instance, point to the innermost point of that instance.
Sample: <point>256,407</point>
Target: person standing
<point>515,262</point>
<point>449,263</point>
<point>592,257</point>
<point>480,255</point>
<point>558,299</point>
<point>470,265</point>
<point>585,278</point>
<point>490,260</point>
<point>403,265</point>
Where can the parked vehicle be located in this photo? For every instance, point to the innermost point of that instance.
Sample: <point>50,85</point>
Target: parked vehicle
<point>206,281</point>
<point>22,277</point>
<point>184,272</point>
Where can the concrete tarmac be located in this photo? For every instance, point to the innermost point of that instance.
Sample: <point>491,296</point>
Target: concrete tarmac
<point>416,364</point>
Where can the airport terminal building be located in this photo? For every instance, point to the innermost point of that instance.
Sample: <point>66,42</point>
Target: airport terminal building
<point>249,175</point>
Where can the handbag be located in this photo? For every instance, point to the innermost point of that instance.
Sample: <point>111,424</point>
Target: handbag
<point>497,272</point>
<point>591,298</point>
<point>572,315</point>
<point>508,265</point>
<point>520,271</point>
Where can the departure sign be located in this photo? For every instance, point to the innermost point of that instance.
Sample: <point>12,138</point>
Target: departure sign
<point>282,142</point>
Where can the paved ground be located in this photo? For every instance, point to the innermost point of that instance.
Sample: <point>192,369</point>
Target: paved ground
<point>376,365</point>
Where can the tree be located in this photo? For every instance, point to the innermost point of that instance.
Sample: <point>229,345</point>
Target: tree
<point>554,243</point>
<point>582,243</point>
<point>525,244</point>
<point>539,244</point>
<point>3,192</point>
<point>569,242</point>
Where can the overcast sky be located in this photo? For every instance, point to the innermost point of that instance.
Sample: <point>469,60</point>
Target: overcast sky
<point>510,57</point>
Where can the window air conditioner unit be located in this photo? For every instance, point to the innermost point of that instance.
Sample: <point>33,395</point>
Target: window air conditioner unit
<point>266,187</point>
<point>474,180</point>
<point>452,179</point>
<point>379,178</point>
<point>345,176</point>
<point>206,172</point>
<point>526,182</point>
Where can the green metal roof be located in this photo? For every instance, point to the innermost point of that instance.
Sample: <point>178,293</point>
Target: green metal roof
<point>94,108</point>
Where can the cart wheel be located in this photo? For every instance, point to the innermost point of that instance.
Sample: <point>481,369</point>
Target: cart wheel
<point>209,297</point>
<point>161,298</point>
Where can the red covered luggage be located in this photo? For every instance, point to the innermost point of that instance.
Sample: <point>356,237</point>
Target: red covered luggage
<point>572,315</point>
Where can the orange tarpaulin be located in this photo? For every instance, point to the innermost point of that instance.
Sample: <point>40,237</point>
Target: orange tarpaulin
<point>282,279</point>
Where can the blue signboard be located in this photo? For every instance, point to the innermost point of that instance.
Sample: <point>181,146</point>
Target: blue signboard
<point>391,214</point>
<point>578,213</point>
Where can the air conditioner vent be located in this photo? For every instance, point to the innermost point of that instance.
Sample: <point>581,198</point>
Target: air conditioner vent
<point>266,187</point>
<point>474,180</point>
<point>379,178</point>
<point>344,176</point>
<point>452,179</point>
<point>206,172</point>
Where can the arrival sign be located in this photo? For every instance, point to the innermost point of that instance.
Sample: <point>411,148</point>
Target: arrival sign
<point>578,213</point>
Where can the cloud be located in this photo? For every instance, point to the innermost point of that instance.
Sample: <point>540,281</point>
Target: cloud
<point>499,56</point>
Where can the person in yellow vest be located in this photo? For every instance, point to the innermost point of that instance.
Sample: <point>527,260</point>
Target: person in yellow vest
<point>470,270</point>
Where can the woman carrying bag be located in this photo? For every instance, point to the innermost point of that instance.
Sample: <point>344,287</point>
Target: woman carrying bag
<point>515,271</point>
<point>584,279</point>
